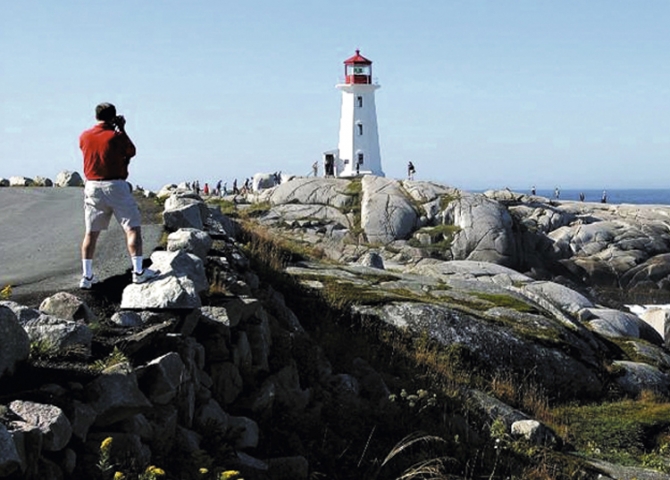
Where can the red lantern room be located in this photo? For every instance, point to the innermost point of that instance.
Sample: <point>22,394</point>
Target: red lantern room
<point>357,69</point>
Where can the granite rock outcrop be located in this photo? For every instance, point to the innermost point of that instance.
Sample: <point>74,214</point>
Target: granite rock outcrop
<point>209,352</point>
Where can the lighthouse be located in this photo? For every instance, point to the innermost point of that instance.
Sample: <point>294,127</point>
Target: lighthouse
<point>358,147</point>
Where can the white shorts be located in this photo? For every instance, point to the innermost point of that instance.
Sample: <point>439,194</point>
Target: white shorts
<point>102,198</point>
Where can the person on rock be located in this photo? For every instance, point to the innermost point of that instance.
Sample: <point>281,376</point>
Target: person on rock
<point>410,171</point>
<point>107,151</point>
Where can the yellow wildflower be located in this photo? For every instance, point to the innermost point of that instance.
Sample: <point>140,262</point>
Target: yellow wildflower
<point>203,471</point>
<point>229,475</point>
<point>106,444</point>
<point>119,476</point>
<point>155,471</point>
<point>6,292</point>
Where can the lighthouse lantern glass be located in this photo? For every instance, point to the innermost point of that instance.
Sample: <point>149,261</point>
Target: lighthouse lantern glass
<point>358,70</point>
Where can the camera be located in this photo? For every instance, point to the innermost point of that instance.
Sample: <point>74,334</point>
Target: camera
<point>119,121</point>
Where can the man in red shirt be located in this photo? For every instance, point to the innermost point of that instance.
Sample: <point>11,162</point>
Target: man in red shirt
<point>107,151</point>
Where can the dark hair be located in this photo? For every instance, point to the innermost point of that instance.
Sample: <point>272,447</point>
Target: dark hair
<point>105,112</point>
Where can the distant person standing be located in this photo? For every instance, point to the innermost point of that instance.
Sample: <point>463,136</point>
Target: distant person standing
<point>205,189</point>
<point>581,196</point>
<point>107,151</point>
<point>532,190</point>
<point>557,193</point>
<point>603,199</point>
<point>315,169</point>
<point>410,171</point>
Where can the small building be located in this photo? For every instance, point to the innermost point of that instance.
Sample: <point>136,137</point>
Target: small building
<point>358,147</point>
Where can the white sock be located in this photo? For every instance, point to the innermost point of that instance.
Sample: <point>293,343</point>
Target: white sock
<point>137,264</point>
<point>87,267</point>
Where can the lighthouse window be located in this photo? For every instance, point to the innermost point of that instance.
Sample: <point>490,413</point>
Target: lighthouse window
<point>359,99</point>
<point>360,159</point>
<point>360,128</point>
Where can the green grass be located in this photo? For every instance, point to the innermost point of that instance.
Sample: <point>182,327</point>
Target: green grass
<point>624,432</point>
<point>43,349</point>
<point>256,210</point>
<point>116,357</point>
<point>445,200</point>
<point>226,206</point>
<point>354,187</point>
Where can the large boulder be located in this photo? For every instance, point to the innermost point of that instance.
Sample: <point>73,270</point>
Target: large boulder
<point>190,240</point>
<point>54,334</point>
<point>305,191</point>
<point>615,323</point>
<point>68,306</point>
<point>21,182</point>
<point>162,377</point>
<point>184,210</point>
<point>636,377</point>
<point>115,395</point>
<point>182,277</point>
<point>485,233</point>
<point>496,345</point>
<point>69,179</point>
<point>48,419</point>
<point>387,213</point>
<point>560,296</point>
<point>15,345</point>
<point>42,182</point>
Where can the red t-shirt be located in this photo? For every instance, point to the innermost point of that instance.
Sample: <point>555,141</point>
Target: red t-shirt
<point>106,153</point>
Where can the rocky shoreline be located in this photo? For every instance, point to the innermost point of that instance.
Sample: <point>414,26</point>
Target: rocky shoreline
<point>212,350</point>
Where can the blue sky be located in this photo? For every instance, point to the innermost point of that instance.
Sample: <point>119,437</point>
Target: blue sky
<point>478,94</point>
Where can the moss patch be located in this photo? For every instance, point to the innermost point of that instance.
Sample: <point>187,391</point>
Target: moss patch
<point>355,190</point>
<point>506,301</point>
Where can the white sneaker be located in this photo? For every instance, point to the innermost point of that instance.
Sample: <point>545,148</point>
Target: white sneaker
<point>145,275</point>
<point>86,283</point>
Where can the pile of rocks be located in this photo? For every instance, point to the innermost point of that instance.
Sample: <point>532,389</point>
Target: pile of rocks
<point>186,365</point>
<point>63,179</point>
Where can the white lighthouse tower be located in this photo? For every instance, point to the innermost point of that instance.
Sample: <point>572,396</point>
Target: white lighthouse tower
<point>358,147</point>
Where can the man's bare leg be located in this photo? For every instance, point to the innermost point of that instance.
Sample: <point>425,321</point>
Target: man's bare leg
<point>134,244</point>
<point>88,251</point>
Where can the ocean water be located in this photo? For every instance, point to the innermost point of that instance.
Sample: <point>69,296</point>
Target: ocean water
<point>633,196</point>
